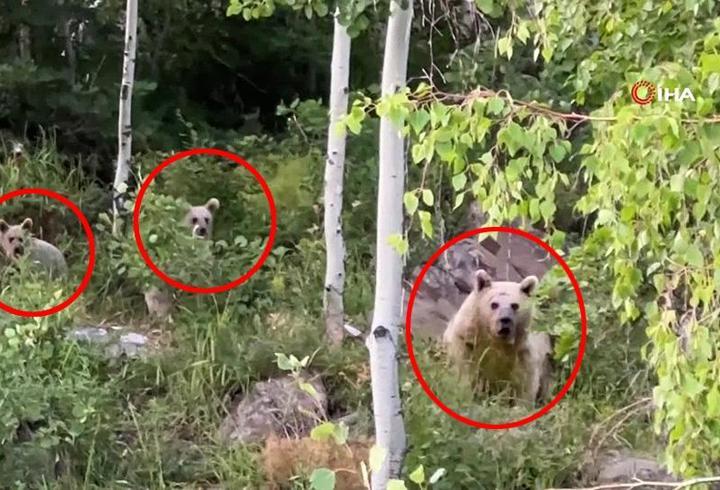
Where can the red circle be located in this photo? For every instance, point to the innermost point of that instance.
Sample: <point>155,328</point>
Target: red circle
<point>583,337</point>
<point>136,221</point>
<point>91,248</point>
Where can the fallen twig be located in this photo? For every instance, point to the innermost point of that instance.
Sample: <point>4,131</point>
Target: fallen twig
<point>641,483</point>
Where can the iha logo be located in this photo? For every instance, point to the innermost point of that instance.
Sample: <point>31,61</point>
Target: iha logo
<point>644,92</point>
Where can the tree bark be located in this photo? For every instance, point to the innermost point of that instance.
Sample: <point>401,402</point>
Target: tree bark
<point>333,199</point>
<point>122,170</point>
<point>24,43</point>
<point>383,339</point>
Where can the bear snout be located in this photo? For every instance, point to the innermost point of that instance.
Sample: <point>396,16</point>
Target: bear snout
<point>18,251</point>
<point>505,325</point>
<point>200,231</point>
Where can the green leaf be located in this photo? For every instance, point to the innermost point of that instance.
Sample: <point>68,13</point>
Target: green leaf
<point>309,389</point>
<point>505,47</point>
<point>418,119</point>
<point>487,158</point>
<point>426,223</point>
<point>283,362</point>
<point>459,181</point>
<point>396,485</point>
<point>694,256</point>
<point>323,432</point>
<point>411,202</point>
<point>709,63</point>
<point>399,244</point>
<point>547,210</point>
<point>495,106</point>
<point>322,479</point>
<point>558,152</point>
<point>713,402</point>
<point>418,476</point>
<point>341,433</point>
<point>522,32</point>
<point>605,216</point>
<point>427,197</point>
<point>487,7</point>
<point>459,198</point>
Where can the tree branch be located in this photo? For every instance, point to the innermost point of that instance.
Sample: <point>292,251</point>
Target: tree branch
<point>641,483</point>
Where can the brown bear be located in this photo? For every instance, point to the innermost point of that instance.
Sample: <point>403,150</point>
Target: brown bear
<point>489,341</point>
<point>17,243</point>
<point>200,218</point>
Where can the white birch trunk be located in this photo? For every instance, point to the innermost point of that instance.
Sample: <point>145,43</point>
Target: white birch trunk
<point>334,170</point>
<point>24,38</point>
<point>122,170</point>
<point>383,339</point>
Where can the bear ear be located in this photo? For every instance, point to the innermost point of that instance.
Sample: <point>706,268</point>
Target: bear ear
<point>482,280</point>
<point>528,285</point>
<point>212,205</point>
<point>4,226</point>
<point>26,224</point>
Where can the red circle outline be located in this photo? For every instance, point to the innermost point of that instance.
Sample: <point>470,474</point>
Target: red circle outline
<point>91,248</point>
<point>642,100</point>
<point>583,337</point>
<point>146,256</point>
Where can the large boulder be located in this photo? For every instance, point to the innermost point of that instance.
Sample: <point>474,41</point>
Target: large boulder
<point>625,467</point>
<point>278,407</point>
<point>449,280</point>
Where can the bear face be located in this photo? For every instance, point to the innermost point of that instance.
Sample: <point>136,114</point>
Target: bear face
<point>17,243</point>
<point>200,218</point>
<point>15,239</point>
<point>503,306</point>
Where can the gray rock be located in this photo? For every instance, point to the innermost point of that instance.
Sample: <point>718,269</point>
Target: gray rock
<point>275,407</point>
<point>623,467</point>
<point>117,341</point>
<point>93,335</point>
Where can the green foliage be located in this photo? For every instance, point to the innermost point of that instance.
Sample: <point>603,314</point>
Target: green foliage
<point>352,13</point>
<point>53,400</point>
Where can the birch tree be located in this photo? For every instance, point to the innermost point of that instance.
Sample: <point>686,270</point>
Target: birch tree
<point>383,339</point>
<point>122,169</point>
<point>333,194</point>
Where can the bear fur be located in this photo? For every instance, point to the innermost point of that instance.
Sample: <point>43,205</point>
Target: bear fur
<point>16,243</point>
<point>489,341</point>
<point>200,218</point>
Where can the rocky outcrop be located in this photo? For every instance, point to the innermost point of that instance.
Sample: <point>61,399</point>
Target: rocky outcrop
<point>506,257</point>
<point>277,407</point>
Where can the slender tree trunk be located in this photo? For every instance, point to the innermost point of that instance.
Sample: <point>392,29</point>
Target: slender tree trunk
<point>70,50</point>
<point>24,39</point>
<point>334,169</point>
<point>122,170</point>
<point>383,339</point>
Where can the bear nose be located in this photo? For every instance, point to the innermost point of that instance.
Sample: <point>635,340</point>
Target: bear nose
<point>505,324</point>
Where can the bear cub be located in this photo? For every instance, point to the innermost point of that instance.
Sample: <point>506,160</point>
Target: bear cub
<point>489,341</point>
<point>17,243</point>
<point>200,218</point>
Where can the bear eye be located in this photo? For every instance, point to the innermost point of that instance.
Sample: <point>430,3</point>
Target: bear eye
<point>494,306</point>
<point>207,221</point>
<point>514,306</point>
<point>194,221</point>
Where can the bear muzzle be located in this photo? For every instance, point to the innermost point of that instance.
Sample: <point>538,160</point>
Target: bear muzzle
<point>200,231</point>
